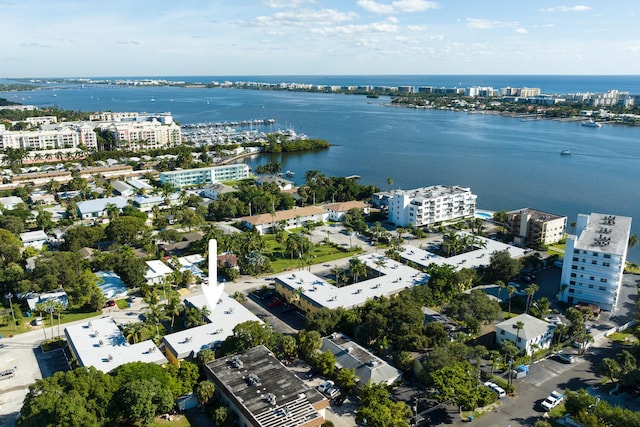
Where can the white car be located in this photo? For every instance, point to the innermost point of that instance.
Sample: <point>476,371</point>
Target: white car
<point>553,400</point>
<point>496,389</point>
<point>565,357</point>
<point>325,386</point>
<point>554,320</point>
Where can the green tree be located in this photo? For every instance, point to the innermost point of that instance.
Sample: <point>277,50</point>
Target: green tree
<point>325,362</point>
<point>309,342</point>
<point>501,267</point>
<point>128,230</point>
<point>205,391</point>
<point>378,410</point>
<point>610,368</point>
<point>346,378</point>
<point>141,400</point>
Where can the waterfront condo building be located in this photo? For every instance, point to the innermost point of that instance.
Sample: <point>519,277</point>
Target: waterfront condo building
<point>533,227</point>
<point>429,205</point>
<point>144,135</point>
<point>594,260</point>
<point>205,176</point>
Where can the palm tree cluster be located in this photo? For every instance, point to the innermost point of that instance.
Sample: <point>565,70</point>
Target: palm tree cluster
<point>454,242</point>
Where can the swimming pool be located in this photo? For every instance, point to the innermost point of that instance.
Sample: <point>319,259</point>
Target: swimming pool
<point>484,215</point>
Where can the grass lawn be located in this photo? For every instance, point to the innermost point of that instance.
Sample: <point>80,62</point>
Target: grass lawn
<point>632,268</point>
<point>70,315</point>
<point>281,259</point>
<point>177,420</point>
<point>122,303</point>
<point>556,249</point>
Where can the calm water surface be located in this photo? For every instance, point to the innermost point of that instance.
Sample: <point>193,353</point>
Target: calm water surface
<point>509,163</point>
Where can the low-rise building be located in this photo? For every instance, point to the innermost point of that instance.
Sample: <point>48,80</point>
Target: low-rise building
<point>337,211</point>
<point>290,218</point>
<point>10,202</point>
<point>97,208</point>
<point>535,334</point>
<point>156,272</point>
<point>264,393</point>
<point>533,227</point>
<point>35,239</point>
<point>594,260</point>
<point>100,343</point>
<point>205,176</point>
<point>369,369</point>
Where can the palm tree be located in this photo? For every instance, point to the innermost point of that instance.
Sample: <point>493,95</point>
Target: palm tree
<point>380,263</point>
<point>357,268</point>
<point>501,285</point>
<point>561,330</point>
<point>519,326</point>
<point>204,312</point>
<point>633,241</point>
<point>173,307</point>
<point>510,291</point>
<point>530,291</point>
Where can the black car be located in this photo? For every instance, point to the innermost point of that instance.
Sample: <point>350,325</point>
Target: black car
<point>339,399</point>
<point>310,373</point>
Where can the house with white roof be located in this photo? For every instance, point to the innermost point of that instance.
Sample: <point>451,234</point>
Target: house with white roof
<point>337,211</point>
<point>35,239</point>
<point>97,208</point>
<point>10,202</point>
<point>157,271</point>
<point>122,189</point>
<point>535,334</point>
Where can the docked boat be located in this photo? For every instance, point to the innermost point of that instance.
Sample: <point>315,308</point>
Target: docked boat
<point>591,123</point>
<point>289,174</point>
<point>565,152</point>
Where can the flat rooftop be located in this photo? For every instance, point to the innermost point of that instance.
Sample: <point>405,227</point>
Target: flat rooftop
<point>226,314</point>
<point>99,343</point>
<point>392,278</point>
<point>266,390</point>
<point>605,233</point>
<point>473,259</point>
<point>536,214</point>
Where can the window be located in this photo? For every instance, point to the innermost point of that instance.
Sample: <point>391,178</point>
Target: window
<point>594,262</point>
<point>519,339</point>
<point>591,278</point>
<point>603,280</point>
<point>605,264</point>
<point>602,288</point>
<point>572,282</point>
<point>573,274</point>
<point>502,332</point>
<point>595,254</point>
<point>590,286</point>
<point>607,256</point>
<point>576,251</point>
<point>571,290</point>
<point>574,267</point>
<point>575,259</point>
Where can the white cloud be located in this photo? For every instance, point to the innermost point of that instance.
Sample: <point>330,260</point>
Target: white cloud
<point>416,28</point>
<point>522,31</point>
<point>398,6</point>
<point>279,4</point>
<point>635,49</point>
<point>304,18</point>
<point>376,27</point>
<point>579,8</point>
<point>485,24</point>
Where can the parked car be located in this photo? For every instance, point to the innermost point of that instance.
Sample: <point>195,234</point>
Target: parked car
<point>580,345</point>
<point>326,385</point>
<point>332,392</point>
<point>275,302</point>
<point>554,320</point>
<point>110,303</point>
<point>553,400</point>
<point>565,357</point>
<point>496,389</point>
<point>339,399</point>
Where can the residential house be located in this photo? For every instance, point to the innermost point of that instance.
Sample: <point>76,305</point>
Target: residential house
<point>290,218</point>
<point>535,334</point>
<point>337,211</point>
<point>156,272</point>
<point>97,208</point>
<point>369,368</point>
<point>35,239</point>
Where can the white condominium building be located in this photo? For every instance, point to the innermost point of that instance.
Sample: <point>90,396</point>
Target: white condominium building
<point>144,135</point>
<point>594,260</point>
<point>204,176</point>
<point>428,205</point>
<point>64,137</point>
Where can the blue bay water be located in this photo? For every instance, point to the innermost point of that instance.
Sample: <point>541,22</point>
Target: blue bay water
<point>509,163</point>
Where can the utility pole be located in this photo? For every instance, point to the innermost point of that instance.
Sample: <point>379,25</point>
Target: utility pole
<point>13,315</point>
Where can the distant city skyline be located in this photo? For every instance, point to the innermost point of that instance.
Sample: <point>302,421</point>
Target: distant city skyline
<point>317,37</point>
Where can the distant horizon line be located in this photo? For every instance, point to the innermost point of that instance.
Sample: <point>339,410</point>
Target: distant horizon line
<point>313,75</point>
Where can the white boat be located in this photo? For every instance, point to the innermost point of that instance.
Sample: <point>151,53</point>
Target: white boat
<point>290,174</point>
<point>591,123</point>
<point>565,152</point>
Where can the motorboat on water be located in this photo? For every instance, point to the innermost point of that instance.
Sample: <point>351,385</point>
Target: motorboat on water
<point>565,153</point>
<point>591,124</point>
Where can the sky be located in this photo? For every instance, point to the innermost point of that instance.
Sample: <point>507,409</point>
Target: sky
<point>89,38</point>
